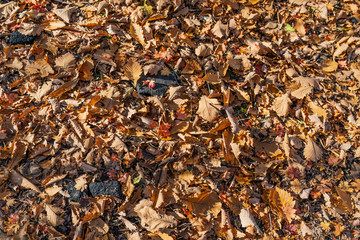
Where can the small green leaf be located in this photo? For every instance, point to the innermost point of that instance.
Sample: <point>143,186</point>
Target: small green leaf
<point>289,28</point>
<point>147,9</point>
<point>136,180</point>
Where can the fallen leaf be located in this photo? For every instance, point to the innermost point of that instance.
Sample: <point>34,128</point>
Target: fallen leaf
<point>81,182</point>
<point>302,92</point>
<point>299,26</point>
<point>209,108</point>
<point>220,30</point>
<point>52,217</point>
<point>133,71</point>
<point>65,13</point>
<point>65,61</point>
<point>281,105</point>
<point>151,219</point>
<point>137,32</point>
<point>18,179</point>
<point>329,66</point>
<point>39,66</point>
<point>312,151</point>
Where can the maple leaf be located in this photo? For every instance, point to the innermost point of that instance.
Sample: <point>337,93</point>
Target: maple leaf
<point>209,108</point>
<point>164,130</point>
<point>312,151</point>
<point>133,71</point>
<point>281,105</point>
<point>339,228</point>
<point>81,182</point>
<point>293,172</point>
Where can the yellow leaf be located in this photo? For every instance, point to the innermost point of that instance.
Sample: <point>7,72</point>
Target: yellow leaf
<point>329,66</point>
<point>325,226</point>
<point>212,78</point>
<point>133,71</point>
<point>317,110</point>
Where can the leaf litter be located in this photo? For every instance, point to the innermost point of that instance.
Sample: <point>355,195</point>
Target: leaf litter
<point>254,133</point>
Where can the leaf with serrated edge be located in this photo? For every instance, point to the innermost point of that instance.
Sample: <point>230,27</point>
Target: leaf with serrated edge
<point>133,71</point>
<point>137,32</point>
<point>287,204</point>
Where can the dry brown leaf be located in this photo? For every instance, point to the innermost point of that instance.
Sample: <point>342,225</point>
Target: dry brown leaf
<point>6,9</point>
<point>43,91</point>
<point>287,204</point>
<point>340,50</point>
<point>85,69</point>
<point>329,66</point>
<point>212,78</point>
<point>65,61</point>
<point>54,25</point>
<point>31,29</point>
<point>299,26</point>
<point>81,182</point>
<point>133,71</point>
<point>302,92</point>
<point>220,30</point>
<point>17,179</point>
<point>137,33</point>
<point>209,108</point>
<point>19,153</point>
<point>151,219</point>
<point>305,230</point>
<point>281,105</point>
<point>308,82</point>
<point>15,63</point>
<point>207,202</point>
<point>52,217</point>
<point>346,198</point>
<point>53,179</point>
<point>65,13</point>
<point>312,151</point>
<point>64,88</point>
<point>286,145</point>
<point>317,110</point>
<point>100,226</point>
<point>247,220</point>
<point>39,66</point>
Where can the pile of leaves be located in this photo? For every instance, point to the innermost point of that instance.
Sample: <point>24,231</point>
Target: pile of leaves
<point>258,140</point>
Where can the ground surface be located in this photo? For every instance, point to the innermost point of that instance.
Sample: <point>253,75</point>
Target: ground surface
<point>258,140</point>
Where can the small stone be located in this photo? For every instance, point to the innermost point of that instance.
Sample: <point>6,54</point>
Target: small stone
<point>17,38</point>
<point>75,194</point>
<point>112,188</point>
<point>162,84</point>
